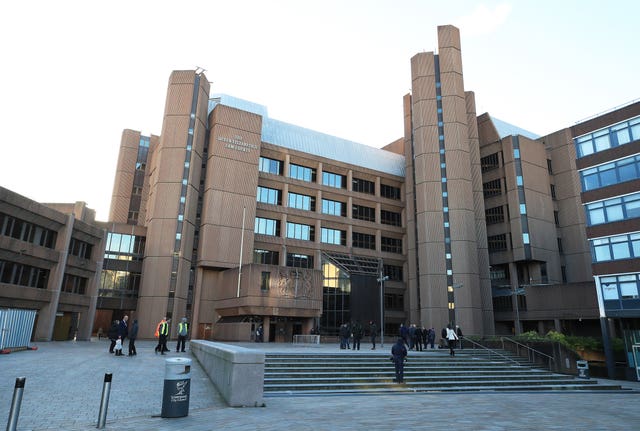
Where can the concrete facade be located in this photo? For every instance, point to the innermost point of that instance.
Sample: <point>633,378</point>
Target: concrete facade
<point>50,261</point>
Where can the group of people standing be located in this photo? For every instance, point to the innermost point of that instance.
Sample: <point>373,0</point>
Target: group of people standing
<point>120,331</point>
<point>418,338</point>
<point>355,331</point>
<point>162,334</point>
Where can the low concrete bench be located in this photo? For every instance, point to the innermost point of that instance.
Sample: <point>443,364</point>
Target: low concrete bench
<point>237,372</point>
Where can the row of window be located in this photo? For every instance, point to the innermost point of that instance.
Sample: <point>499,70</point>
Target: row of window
<point>620,287</point>
<point>613,136</point>
<point>612,210</point>
<point>23,275</point>
<point>123,246</point>
<point>305,232</point>
<point>308,203</point>
<point>622,170</point>
<point>26,231</point>
<point>74,284</point>
<point>119,284</point>
<point>79,248</point>
<point>304,173</point>
<point>615,247</point>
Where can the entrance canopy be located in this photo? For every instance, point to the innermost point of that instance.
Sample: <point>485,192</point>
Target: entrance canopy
<point>355,264</point>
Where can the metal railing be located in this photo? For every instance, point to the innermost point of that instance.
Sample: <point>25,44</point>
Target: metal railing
<point>491,351</point>
<point>532,354</point>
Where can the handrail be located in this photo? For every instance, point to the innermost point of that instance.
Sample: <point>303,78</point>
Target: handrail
<point>531,350</point>
<point>491,351</point>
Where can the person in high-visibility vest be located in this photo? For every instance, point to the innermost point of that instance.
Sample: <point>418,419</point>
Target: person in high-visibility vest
<point>183,330</point>
<point>162,332</point>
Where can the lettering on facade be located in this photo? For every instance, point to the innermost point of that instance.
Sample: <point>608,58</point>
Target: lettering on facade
<point>237,143</point>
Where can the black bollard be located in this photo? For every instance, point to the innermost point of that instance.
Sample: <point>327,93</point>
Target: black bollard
<point>104,402</point>
<point>12,423</point>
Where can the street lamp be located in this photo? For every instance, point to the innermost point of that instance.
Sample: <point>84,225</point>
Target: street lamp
<point>381,280</point>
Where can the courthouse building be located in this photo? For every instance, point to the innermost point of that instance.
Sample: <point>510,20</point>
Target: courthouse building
<point>252,221</point>
<point>234,219</point>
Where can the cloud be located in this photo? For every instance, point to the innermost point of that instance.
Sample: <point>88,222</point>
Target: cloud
<point>483,20</point>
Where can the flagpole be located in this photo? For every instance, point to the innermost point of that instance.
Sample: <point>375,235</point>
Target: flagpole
<point>244,210</point>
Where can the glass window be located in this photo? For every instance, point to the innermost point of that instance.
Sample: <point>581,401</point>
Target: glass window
<point>270,166</point>
<point>523,209</point>
<point>333,236</point>
<point>621,133</point>
<point>300,231</point>
<point>269,196</point>
<point>302,173</point>
<point>267,226</point>
<point>609,288</point>
<point>614,212</point>
<point>585,147</point>
<point>601,142</point>
<point>632,207</point>
<point>525,238</point>
<point>333,180</point>
<point>301,202</point>
<point>620,250</point>
<point>333,208</point>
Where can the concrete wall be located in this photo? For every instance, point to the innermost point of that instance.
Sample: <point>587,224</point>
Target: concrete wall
<point>237,372</point>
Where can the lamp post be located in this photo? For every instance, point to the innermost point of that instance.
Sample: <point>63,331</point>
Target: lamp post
<point>381,280</point>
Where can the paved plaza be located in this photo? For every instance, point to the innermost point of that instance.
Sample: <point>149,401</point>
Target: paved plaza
<point>64,382</point>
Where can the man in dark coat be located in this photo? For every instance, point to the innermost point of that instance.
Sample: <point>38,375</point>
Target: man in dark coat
<point>123,328</point>
<point>133,334</point>
<point>373,332</point>
<point>357,334</point>
<point>399,353</point>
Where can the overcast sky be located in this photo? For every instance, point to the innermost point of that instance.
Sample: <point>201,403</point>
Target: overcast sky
<point>76,73</point>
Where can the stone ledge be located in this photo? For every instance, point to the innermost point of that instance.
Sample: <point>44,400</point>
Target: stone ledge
<point>237,372</point>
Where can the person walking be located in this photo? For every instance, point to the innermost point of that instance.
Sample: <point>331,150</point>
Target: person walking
<point>398,354</point>
<point>357,335</point>
<point>162,332</point>
<point>133,334</point>
<point>431,337</point>
<point>373,333</point>
<point>451,340</point>
<point>183,330</point>
<point>404,333</point>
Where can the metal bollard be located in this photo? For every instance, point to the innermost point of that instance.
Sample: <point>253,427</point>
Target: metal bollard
<point>12,423</point>
<point>104,402</point>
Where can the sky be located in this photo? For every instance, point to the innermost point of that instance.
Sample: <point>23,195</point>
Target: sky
<point>76,73</point>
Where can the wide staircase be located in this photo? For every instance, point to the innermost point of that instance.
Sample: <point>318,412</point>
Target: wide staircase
<point>290,374</point>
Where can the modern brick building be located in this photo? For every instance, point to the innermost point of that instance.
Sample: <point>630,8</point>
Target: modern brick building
<point>235,219</point>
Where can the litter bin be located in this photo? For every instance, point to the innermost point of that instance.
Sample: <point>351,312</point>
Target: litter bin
<point>583,369</point>
<point>177,387</point>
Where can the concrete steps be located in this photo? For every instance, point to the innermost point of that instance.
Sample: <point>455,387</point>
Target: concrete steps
<point>288,374</point>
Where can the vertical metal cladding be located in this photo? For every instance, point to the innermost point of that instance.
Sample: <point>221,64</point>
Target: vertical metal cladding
<point>445,194</point>
<point>522,202</point>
